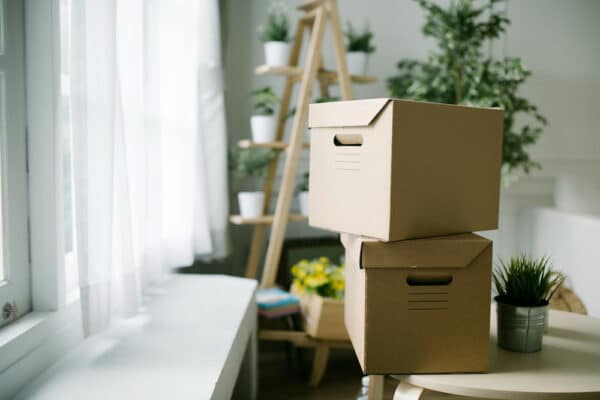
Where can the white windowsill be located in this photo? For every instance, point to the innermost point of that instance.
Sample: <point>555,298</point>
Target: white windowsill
<point>29,332</point>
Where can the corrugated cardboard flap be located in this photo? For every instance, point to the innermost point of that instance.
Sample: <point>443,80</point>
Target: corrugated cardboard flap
<point>345,113</point>
<point>455,251</point>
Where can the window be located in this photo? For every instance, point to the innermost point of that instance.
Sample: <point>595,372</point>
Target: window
<point>70,247</point>
<point>15,290</point>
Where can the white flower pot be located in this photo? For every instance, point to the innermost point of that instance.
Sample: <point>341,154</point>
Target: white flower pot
<point>251,204</point>
<point>357,62</point>
<point>277,54</point>
<point>263,128</point>
<point>303,198</point>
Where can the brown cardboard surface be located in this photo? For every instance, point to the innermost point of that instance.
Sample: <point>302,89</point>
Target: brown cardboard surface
<point>322,318</point>
<point>396,169</point>
<point>419,306</point>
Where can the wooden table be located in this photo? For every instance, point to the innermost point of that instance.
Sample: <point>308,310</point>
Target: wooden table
<point>196,338</point>
<point>568,367</point>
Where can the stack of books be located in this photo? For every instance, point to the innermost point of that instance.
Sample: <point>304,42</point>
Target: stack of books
<point>274,302</point>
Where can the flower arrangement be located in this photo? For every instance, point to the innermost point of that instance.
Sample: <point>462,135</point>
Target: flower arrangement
<point>319,276</point>
<point>277,27</point>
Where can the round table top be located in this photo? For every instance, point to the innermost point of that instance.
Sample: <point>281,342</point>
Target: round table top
<point>568,367</point>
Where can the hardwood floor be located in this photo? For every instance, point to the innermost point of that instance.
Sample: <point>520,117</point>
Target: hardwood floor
<point>282,379</point>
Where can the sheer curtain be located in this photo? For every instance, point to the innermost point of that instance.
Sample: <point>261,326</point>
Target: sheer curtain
<point>149,146</point>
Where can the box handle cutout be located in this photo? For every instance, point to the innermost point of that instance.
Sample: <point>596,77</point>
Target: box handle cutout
<point>348,140</point>
<point>429,280</point>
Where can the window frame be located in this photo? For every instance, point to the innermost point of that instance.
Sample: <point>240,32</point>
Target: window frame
<point>35,341</point>
<point>15,285</point>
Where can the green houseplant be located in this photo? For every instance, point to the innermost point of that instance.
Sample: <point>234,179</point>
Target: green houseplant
<point>358,48</point>
<point>275,34</point>
<point>460,72</point>
<point>263,122</point>
<point>524,287</point>
<point>250,163</point>
<point>302,190</point>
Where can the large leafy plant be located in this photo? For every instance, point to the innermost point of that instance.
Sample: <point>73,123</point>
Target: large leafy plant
<point>525,281</point>
<point>459,72</point>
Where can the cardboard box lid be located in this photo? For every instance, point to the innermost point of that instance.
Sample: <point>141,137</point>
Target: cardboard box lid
<point>454,251</point>
<point>345,113</point>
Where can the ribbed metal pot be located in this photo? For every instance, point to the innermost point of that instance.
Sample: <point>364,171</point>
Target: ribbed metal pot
<point>520,329</point>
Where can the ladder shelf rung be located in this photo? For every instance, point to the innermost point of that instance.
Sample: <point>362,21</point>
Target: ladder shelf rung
<point>300,339</point>
<point>286,70</point>
<point>245,144</point>
<point>296,73</point>
<point>309,5</point>
<point>263,219</point>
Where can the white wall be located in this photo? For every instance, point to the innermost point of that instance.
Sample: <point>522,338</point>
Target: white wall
<point>557,39</point>
<point>572,242</point>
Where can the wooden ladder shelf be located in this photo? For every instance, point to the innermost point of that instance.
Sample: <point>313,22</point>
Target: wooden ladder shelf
<point>318,14</point>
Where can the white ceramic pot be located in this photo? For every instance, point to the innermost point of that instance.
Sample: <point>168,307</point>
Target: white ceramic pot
<point>251,204</point>
<point>303,198</point>
<point>357,62</point>
<point>263,128</point>
<point>277,54</point>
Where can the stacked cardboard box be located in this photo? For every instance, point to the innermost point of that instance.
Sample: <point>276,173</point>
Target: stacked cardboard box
<point>406,183</point>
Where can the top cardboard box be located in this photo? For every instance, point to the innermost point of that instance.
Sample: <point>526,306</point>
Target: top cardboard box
<point>395,169</point>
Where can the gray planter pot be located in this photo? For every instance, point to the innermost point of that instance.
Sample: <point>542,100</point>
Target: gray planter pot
<point>520,329</point>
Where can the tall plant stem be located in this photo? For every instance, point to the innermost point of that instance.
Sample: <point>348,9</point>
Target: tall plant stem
<point>457,83</point>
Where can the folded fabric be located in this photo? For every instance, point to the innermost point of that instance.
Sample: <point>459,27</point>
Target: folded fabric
<point>279,312</point>
<point>274,302</point>
<point>274,298</point>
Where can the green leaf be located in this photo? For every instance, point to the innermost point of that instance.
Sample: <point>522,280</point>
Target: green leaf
<point>277,27</point>
<point>526,281</point>
<point>249,162</point>
<point>264,101</point>
<point>358,41</point>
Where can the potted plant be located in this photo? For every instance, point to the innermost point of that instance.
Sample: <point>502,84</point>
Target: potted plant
<point>302,189</point>
<point>263,122</point>
<point>250,163</point>
<point>358,48</point>
<point>319,284</point>
<point>460,71</point>
<point>275,35</point>
<point>524,287</point>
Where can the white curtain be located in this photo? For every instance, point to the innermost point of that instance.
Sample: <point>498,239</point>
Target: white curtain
<point>149,146</point>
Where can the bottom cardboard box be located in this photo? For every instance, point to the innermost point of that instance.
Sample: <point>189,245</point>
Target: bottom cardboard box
<point>419,306</point>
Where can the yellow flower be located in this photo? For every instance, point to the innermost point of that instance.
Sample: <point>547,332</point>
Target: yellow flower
<point>315,281</point>
<point>337,285</point>
<point>319,267</point>
<point>324,260</point>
